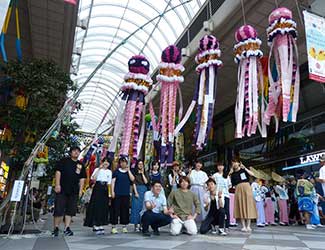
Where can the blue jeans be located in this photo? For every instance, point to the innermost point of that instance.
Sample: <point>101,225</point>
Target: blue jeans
<point>155,220</point>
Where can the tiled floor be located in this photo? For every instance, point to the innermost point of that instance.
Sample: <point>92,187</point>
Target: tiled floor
<point>270,238</point>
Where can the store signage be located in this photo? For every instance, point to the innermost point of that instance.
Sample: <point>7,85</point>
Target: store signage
<point>17,191</point>
<point>311,158</point>
<point>315,39</point>
<point>4,4</point>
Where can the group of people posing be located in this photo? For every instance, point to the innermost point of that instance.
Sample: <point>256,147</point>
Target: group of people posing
<point>181,200</point>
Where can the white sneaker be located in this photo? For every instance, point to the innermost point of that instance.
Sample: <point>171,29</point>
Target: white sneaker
<point>222,232</point>
<point>310,227</point>
<point>213,231</point>
<point>319,225</point>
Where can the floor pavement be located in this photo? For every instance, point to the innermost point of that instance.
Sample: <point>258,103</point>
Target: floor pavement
<point>269,238</point>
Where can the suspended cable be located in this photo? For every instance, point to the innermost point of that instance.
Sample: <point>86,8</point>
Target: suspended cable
<point>243,11</point>
<point>299,12</point>
<point>156,25</point>
<point>119,25</point>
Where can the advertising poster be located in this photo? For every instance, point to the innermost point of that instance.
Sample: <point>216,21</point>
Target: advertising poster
<point>315,38</point>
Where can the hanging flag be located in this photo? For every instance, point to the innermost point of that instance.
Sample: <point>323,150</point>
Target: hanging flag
<point>315,37</point>
<point>4,4</point>
<point>74,2</point>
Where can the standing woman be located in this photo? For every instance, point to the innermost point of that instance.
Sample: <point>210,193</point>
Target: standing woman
<point>198,182</point>
<point>155,174</point>
<point>223,184</point>
<point>245,208</point>
<point>97,210</point>
<point>139,188</point>
<point>281,190</point>
<point>121,182</point>
<point>174,176</point>
<point>268,207</point>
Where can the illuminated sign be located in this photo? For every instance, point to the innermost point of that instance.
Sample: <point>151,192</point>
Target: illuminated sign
<point>311,158</point>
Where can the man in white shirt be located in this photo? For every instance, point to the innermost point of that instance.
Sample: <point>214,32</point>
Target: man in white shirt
<point>322,172</point>
<point>154,212</point>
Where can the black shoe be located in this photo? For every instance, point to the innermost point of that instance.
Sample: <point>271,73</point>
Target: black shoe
<point>68,232</point>
<point>156,232</point>
<point>55,233</point>
<point>146,233</point>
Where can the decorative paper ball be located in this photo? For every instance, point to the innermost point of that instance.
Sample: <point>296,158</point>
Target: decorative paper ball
<point>171,54</point>
<point>278,13</point>
<point>148,118</point>
<point>245,32</point>
<point>74,139</point>
<point>139,64</point>
<point>208,42</point>
<point>101,140</point>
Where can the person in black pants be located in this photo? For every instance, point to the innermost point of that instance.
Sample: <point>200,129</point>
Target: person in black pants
<point>122,179</point>
<point>155,212</point>
<point>214,204</point>
<point>223,184</point>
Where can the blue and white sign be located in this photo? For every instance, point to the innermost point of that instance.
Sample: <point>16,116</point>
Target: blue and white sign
<point>315,39</point>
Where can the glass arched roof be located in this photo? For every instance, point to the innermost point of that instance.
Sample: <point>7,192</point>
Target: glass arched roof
<point>111,21</point>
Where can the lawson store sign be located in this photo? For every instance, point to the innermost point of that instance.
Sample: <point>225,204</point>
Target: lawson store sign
<point>311,158</point>
<point>307,160</point>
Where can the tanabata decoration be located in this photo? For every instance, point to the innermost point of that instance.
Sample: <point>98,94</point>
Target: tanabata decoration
<point>170,77</point>
<point>135,88</point>
<point>149,148</point>
<point>284,77</point>
<point>250,103</point>
<point>179,149</point>
<point>205,92</point>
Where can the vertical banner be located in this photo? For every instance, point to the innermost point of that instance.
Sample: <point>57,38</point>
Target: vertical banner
<point>74,2</point>
<point>315,39</point>
<point>17,190</point>
<point>4,4</point>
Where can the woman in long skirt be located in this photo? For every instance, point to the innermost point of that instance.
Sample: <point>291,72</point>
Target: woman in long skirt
<point>97,210</point>
<point>245,208</point>
<point>139,188</point>
<point>198,179</point>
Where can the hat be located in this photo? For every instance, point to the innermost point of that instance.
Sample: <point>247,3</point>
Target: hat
<point>256,173</point>
<point>72,148</point>
<point>322,158</point>
<point>277,178</point>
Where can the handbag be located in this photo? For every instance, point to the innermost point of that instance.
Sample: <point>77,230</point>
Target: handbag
<point>305,204</point>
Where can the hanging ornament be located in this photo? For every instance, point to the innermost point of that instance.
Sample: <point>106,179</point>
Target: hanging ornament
<point>135,88</point>
<point>149,148</point>
<point>284,77</point>
<point>170,77</point>
<point>179,149</point>
<point>205,92</point>
<point>250,103</point>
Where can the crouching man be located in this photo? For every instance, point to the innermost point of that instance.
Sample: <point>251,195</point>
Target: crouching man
<point>214,204</point>
<point>154,212</point>
<point>181,203</point>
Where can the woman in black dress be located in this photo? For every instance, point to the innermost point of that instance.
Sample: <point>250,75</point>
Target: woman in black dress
<point>97,210</point>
